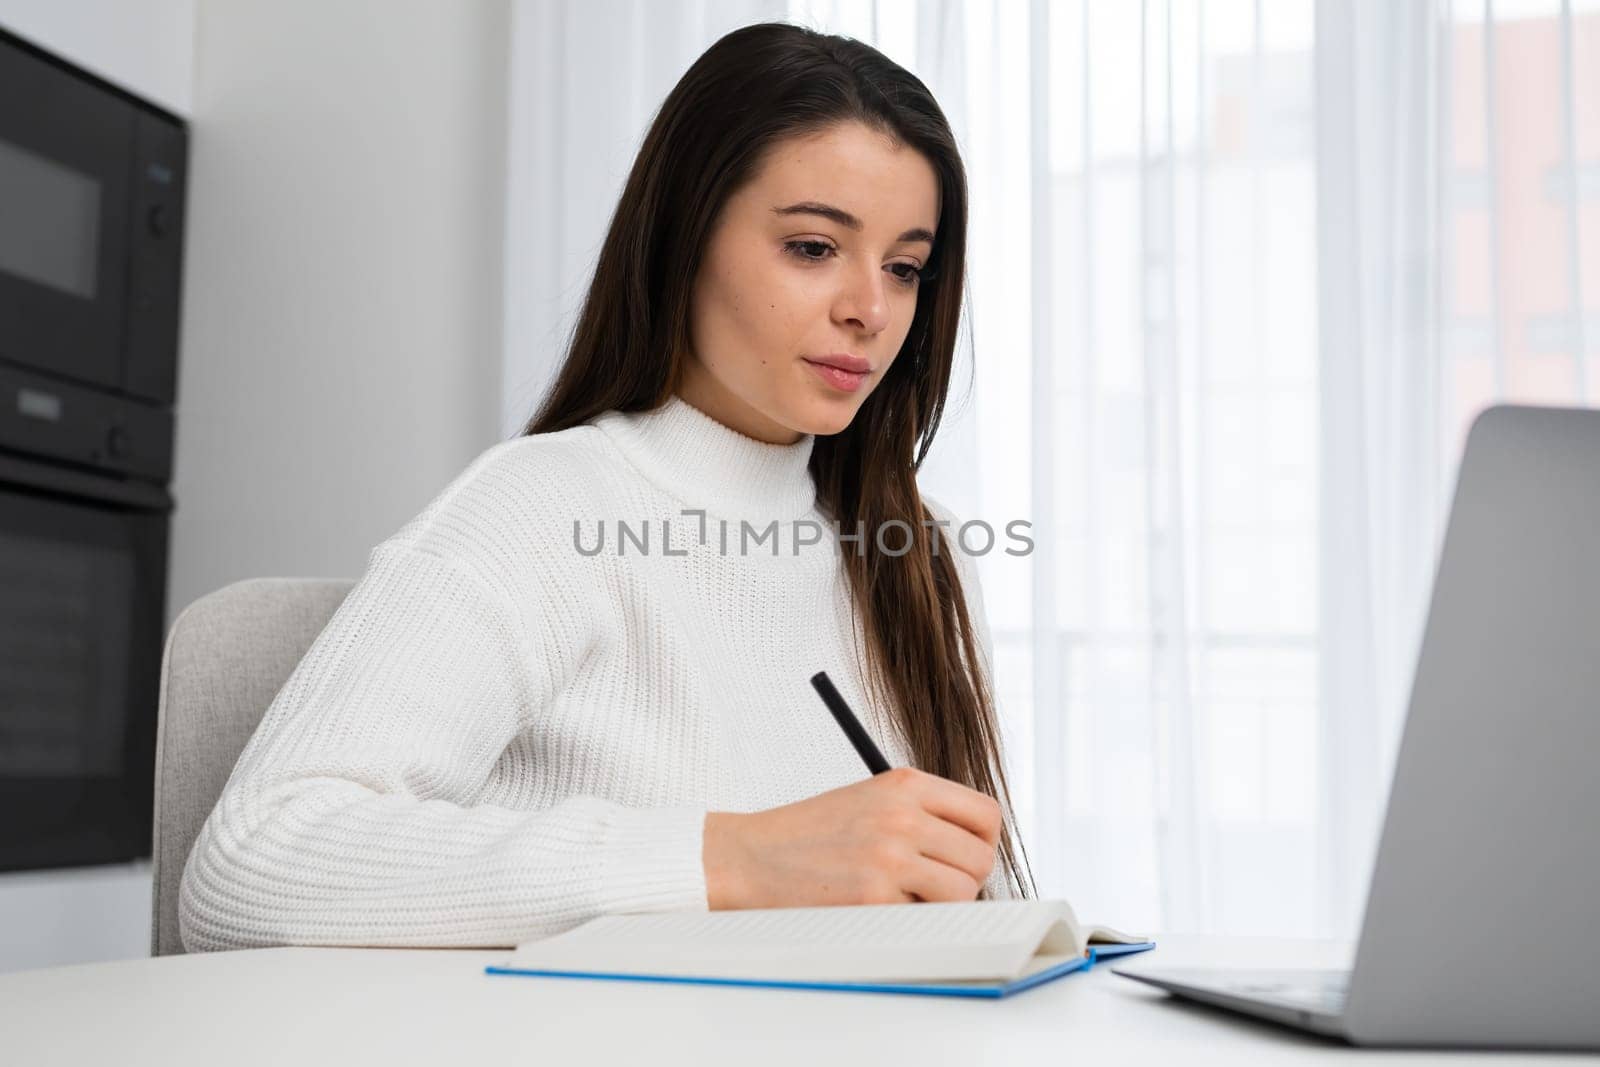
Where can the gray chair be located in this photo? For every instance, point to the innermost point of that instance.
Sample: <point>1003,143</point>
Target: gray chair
<point>226,657</point>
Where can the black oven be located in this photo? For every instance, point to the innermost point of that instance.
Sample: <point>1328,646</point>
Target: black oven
<point>83,563</point>
<point>91,223</point>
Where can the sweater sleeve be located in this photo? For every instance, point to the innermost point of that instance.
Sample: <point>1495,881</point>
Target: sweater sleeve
<point>353,814</point>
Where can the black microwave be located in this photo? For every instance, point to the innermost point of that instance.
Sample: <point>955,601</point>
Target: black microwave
<point>91,228</point>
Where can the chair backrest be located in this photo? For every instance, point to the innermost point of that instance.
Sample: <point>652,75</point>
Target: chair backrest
<point>227,656</point>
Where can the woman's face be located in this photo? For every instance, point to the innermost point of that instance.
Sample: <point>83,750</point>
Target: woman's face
<point>814,259</point>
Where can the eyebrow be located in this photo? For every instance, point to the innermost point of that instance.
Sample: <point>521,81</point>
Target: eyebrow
<point>844,218</point>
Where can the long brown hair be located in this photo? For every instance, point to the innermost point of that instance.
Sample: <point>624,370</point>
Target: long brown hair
<point>753,87</point>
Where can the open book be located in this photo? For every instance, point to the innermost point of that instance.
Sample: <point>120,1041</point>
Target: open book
<point>968,948</point>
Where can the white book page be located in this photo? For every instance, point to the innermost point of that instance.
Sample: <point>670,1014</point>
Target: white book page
<point>1106,935</point>
<point>967,940</point>
<point>1040,962</point>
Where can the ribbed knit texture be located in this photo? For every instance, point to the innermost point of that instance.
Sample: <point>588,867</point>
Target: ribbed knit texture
<point>498,736</point>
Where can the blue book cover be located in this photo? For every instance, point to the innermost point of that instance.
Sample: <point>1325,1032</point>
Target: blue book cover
<point>985,949</point>
<point>991,990</point>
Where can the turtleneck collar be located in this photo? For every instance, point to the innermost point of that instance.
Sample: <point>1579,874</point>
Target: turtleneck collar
<point>705,464</point>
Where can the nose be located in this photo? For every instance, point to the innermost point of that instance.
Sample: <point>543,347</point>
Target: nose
<point>862,302</point>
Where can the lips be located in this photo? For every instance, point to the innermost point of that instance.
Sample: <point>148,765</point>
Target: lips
<point>844,378</point>
<point>842,360</point>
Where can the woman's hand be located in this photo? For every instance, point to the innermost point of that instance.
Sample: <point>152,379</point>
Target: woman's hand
<point>899,836</point>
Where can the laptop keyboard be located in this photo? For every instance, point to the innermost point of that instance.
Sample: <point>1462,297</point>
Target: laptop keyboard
<point>1322,991</point>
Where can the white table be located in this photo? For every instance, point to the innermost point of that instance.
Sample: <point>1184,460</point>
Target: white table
<point>413,1006</point>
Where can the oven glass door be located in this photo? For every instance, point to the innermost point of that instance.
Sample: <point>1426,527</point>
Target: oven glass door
<point>64,179</point>
<point>82,603</point>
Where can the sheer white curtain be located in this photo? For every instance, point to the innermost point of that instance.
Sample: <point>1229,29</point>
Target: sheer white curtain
<point>1144,329</point>
<point>1242,272</point>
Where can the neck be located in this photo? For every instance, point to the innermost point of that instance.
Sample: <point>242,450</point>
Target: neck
<point>707,395</point>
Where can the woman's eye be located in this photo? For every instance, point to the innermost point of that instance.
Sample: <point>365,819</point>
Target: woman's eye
<point>912,273</point>
<point>794,249</point>
<point>907,274</point>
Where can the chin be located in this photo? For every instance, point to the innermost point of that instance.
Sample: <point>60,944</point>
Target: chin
<point>825,420</point>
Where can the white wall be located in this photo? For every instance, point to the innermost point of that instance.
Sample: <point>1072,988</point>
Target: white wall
<point>339,360</point>
<point>342,300</point>
<point>146,47</point>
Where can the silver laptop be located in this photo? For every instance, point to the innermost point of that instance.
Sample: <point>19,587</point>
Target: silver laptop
<point>1482,923</point>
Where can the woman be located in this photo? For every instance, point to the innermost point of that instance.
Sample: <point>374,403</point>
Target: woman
<point>571,686</point>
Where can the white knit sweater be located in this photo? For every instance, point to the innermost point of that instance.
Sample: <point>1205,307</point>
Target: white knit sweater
<point>498,736</point>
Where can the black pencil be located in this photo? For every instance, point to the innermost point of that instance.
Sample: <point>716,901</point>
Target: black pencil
<point>848,723</point>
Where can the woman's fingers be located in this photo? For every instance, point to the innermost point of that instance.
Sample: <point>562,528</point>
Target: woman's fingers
<point>955,846</point>
<point>976,812</point>
<point>931,880</point>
